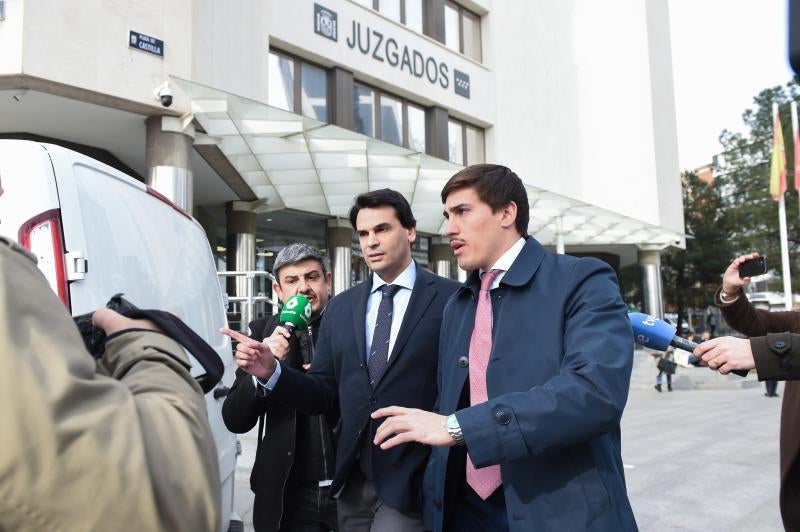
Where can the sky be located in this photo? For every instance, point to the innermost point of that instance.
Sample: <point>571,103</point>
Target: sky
<point>724,52</point>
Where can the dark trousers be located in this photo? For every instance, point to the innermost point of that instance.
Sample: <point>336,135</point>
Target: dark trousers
<point>360,510</point>
<point>307,507</point>
<point>772,387</point>
<point>472,514</point>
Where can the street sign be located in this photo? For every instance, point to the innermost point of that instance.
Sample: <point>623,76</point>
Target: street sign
<point>145,43</point>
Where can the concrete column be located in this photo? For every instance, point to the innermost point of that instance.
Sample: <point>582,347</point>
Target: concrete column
<point>433,22</point>
<point>168,157</point>
<point>340,96</point>
<point>241,252</point>
<point>652,298</point>
<point>436,133</point>
<point>340,238</point>
<point>206,220</point>
<point>440,255</point>
<point>559,236</point>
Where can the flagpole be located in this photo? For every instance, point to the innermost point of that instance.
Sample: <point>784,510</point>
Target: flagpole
<point>780,172</point>
<point>796,144</point>
<point>787,280</point>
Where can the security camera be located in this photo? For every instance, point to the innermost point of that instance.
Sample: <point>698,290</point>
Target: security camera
<point>163,93</point>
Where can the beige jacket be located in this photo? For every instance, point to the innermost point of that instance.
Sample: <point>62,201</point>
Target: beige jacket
<point>123,444</point>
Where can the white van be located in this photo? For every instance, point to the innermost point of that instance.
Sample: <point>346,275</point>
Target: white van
<point>98,232</point>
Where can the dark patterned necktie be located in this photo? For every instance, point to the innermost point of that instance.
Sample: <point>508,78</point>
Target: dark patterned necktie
<point>379,350</point>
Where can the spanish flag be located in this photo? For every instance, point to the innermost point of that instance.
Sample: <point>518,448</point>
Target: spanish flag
<point>777,173</point>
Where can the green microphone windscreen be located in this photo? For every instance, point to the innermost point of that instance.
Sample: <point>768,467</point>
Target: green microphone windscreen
<point>297,311</point>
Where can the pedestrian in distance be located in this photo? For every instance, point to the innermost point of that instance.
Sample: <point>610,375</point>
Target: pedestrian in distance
<point>665,363</point>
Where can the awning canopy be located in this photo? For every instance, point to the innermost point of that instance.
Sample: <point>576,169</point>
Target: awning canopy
<point>292,161</point>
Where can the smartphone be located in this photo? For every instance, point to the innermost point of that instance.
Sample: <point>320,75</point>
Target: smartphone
<point>753,267</point>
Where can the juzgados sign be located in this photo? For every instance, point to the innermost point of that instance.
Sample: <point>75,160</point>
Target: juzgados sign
<point>386,49</point>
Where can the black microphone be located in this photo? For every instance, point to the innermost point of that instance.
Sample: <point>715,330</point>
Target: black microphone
<point>658,335</point>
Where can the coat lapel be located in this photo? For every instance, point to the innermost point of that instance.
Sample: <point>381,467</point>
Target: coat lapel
<point>421,296</point>
<point>360,316</point>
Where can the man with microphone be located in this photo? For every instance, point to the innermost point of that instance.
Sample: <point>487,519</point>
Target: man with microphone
<point>295,457</point>
<point>535,361</point>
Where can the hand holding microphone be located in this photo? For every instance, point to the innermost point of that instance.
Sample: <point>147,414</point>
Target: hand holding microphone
<point>296,313</point>
<point>657,334</point>
<point>258,358</point>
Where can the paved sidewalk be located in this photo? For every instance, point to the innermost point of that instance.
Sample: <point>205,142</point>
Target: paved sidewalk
<point>695,460</point>
<point>703,460</point>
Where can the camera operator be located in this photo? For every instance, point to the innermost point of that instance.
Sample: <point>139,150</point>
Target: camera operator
<point>775,354</point>
<point>122,443</point>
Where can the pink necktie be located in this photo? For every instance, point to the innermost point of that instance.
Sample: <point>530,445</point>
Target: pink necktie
<point>486,479</point>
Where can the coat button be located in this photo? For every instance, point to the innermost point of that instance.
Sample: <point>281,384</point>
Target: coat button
<point>502,417</point>
<point>780,344</point>
<point>463,362</point>
<point>372,400</point>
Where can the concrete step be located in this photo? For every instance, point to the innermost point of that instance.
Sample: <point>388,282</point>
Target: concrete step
<point>645,371</point>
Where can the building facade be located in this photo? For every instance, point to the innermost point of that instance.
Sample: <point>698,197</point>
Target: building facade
<point>264,118</point>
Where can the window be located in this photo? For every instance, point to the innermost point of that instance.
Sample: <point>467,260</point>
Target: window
<point>462,31</point>
<point>396,120</point>
<point>364,110</point>
<point>452,28</point>
<point>391,120</point>
<point>465,142</point>
<point>297,86</point>
<point>390,9</point>
<point>408,12</point>
<point>281,82</point>
<point>414,15</point>
<point>416,128</point>
<point>314,92</point>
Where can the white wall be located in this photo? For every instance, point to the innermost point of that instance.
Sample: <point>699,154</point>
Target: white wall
<point>85,44</point>
<point>575,104</point>
<point>230,45</point>
<point>11,38</point>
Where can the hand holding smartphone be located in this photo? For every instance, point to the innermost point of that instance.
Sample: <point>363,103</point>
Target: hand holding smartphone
<point>753,267</point>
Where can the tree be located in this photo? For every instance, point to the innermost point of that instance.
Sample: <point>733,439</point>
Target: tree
<point>691,276</point>
<point>745,167</point>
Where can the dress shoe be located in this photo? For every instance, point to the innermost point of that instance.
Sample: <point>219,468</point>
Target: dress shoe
<point>658,387</point>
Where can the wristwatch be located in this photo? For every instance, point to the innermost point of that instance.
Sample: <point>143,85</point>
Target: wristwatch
<point>454,429</point>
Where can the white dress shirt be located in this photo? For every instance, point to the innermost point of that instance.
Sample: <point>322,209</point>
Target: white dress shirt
<point>405,280</point>
<point>505,261</point>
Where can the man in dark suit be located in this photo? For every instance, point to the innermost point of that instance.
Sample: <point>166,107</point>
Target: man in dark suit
<point>534,366</point>
<point>377,346</point>
<point>291,495</point>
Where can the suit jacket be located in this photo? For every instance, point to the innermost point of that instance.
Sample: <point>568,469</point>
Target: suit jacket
<point>777,357</point>
<point>557,382</point>
<point>340,370</point>
<point>241,411</point>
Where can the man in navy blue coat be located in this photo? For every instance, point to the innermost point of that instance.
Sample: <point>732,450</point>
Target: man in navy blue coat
<point>534,370</point>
